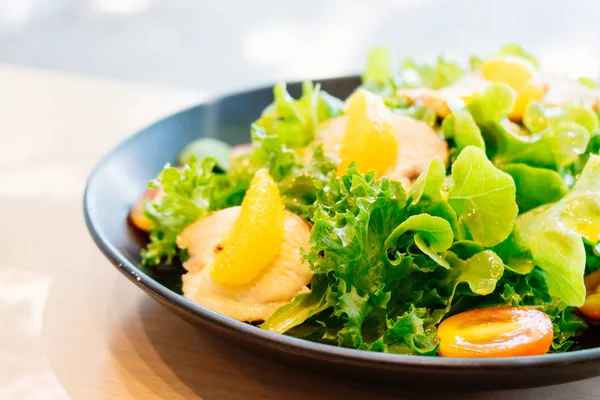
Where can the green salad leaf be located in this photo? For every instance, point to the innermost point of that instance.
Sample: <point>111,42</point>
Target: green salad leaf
<point>535,186</point>
<point>461,127</point>
<point>437,75</point>
<point>554,233</point>
<point>294,121</point>
<point>483,197</point>
<point>428,185</point>
<point>539,117</point>
<point>378,72</point>
<point>514,49</point>
<point>207,147</point>
<point>189,193</point>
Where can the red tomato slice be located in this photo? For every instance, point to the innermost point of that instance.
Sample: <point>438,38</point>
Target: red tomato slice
<point>496,332</point>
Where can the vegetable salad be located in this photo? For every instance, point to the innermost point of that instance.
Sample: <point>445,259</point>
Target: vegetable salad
<point>439,210</point>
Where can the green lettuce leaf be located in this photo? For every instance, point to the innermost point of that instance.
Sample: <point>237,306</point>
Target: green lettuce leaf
<point>481,272</point>
<point>378,72</point>
<point>461,127</point>
<point>206,147</point>
<point>539,117</point>
<point>294,121</point>
<point>437,75</point>
<point>428,185</point>
<point>494,103</point>
<point>435,231</point>
<point>553,233</point>
<point>514,49</point>
<point>535,186</point>
<point>483,197</point>
<point>190,193</point>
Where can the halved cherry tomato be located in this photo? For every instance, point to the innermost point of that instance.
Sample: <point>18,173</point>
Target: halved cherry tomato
<point>496,332</point>
<point>137,212</point>
<point>591,308</point>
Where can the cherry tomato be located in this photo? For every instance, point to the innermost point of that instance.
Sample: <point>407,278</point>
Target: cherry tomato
<point>137,212</point>
<point>496,332</point>
<point>591,308</point>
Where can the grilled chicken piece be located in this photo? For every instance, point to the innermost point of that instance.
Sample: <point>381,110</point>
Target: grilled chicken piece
<point>277,284</point>
<point>418,144</point>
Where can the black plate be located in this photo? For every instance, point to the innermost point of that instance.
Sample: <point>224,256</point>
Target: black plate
<point>120,178</point>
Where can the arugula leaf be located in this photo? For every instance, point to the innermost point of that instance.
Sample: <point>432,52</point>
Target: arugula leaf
<point>483,197</point>
<point>294,121</point>
<point>535,186</point>
<point>553,234</point>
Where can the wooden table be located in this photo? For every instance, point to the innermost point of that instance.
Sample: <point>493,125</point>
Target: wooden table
<point>70,325</point>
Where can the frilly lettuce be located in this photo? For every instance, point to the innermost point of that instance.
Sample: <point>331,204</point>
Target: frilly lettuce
<point>385,275</point>
<point>294,121</point>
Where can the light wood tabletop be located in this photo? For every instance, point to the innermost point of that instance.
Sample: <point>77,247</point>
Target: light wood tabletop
<point>70,325</point>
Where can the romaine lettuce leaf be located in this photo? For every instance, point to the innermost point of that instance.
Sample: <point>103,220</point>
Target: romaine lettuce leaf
<point>553,233</point>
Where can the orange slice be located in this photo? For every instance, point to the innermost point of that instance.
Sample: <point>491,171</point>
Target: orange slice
<point>521,75</point>
<point>369,138</point>
<point>256,235</point>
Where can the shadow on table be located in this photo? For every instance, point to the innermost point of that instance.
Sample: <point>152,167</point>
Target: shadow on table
<point>194,361</point>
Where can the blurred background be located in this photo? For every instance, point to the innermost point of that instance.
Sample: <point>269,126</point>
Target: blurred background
<point>216,46</point>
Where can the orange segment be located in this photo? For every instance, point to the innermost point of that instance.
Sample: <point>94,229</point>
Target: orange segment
<point>256,235</point>
<point>591,307</point>
<point>514,71</point>
<point>528,93</point>
<point>521,75</point>
<point>369,138</point>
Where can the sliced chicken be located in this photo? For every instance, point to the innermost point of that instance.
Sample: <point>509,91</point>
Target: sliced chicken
<point>277,284</point>
<point>418,144</point>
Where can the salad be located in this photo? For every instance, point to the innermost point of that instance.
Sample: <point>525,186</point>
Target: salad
<point>438,210</point>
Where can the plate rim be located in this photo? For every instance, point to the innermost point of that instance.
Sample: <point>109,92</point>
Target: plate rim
<point>281,342</point>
